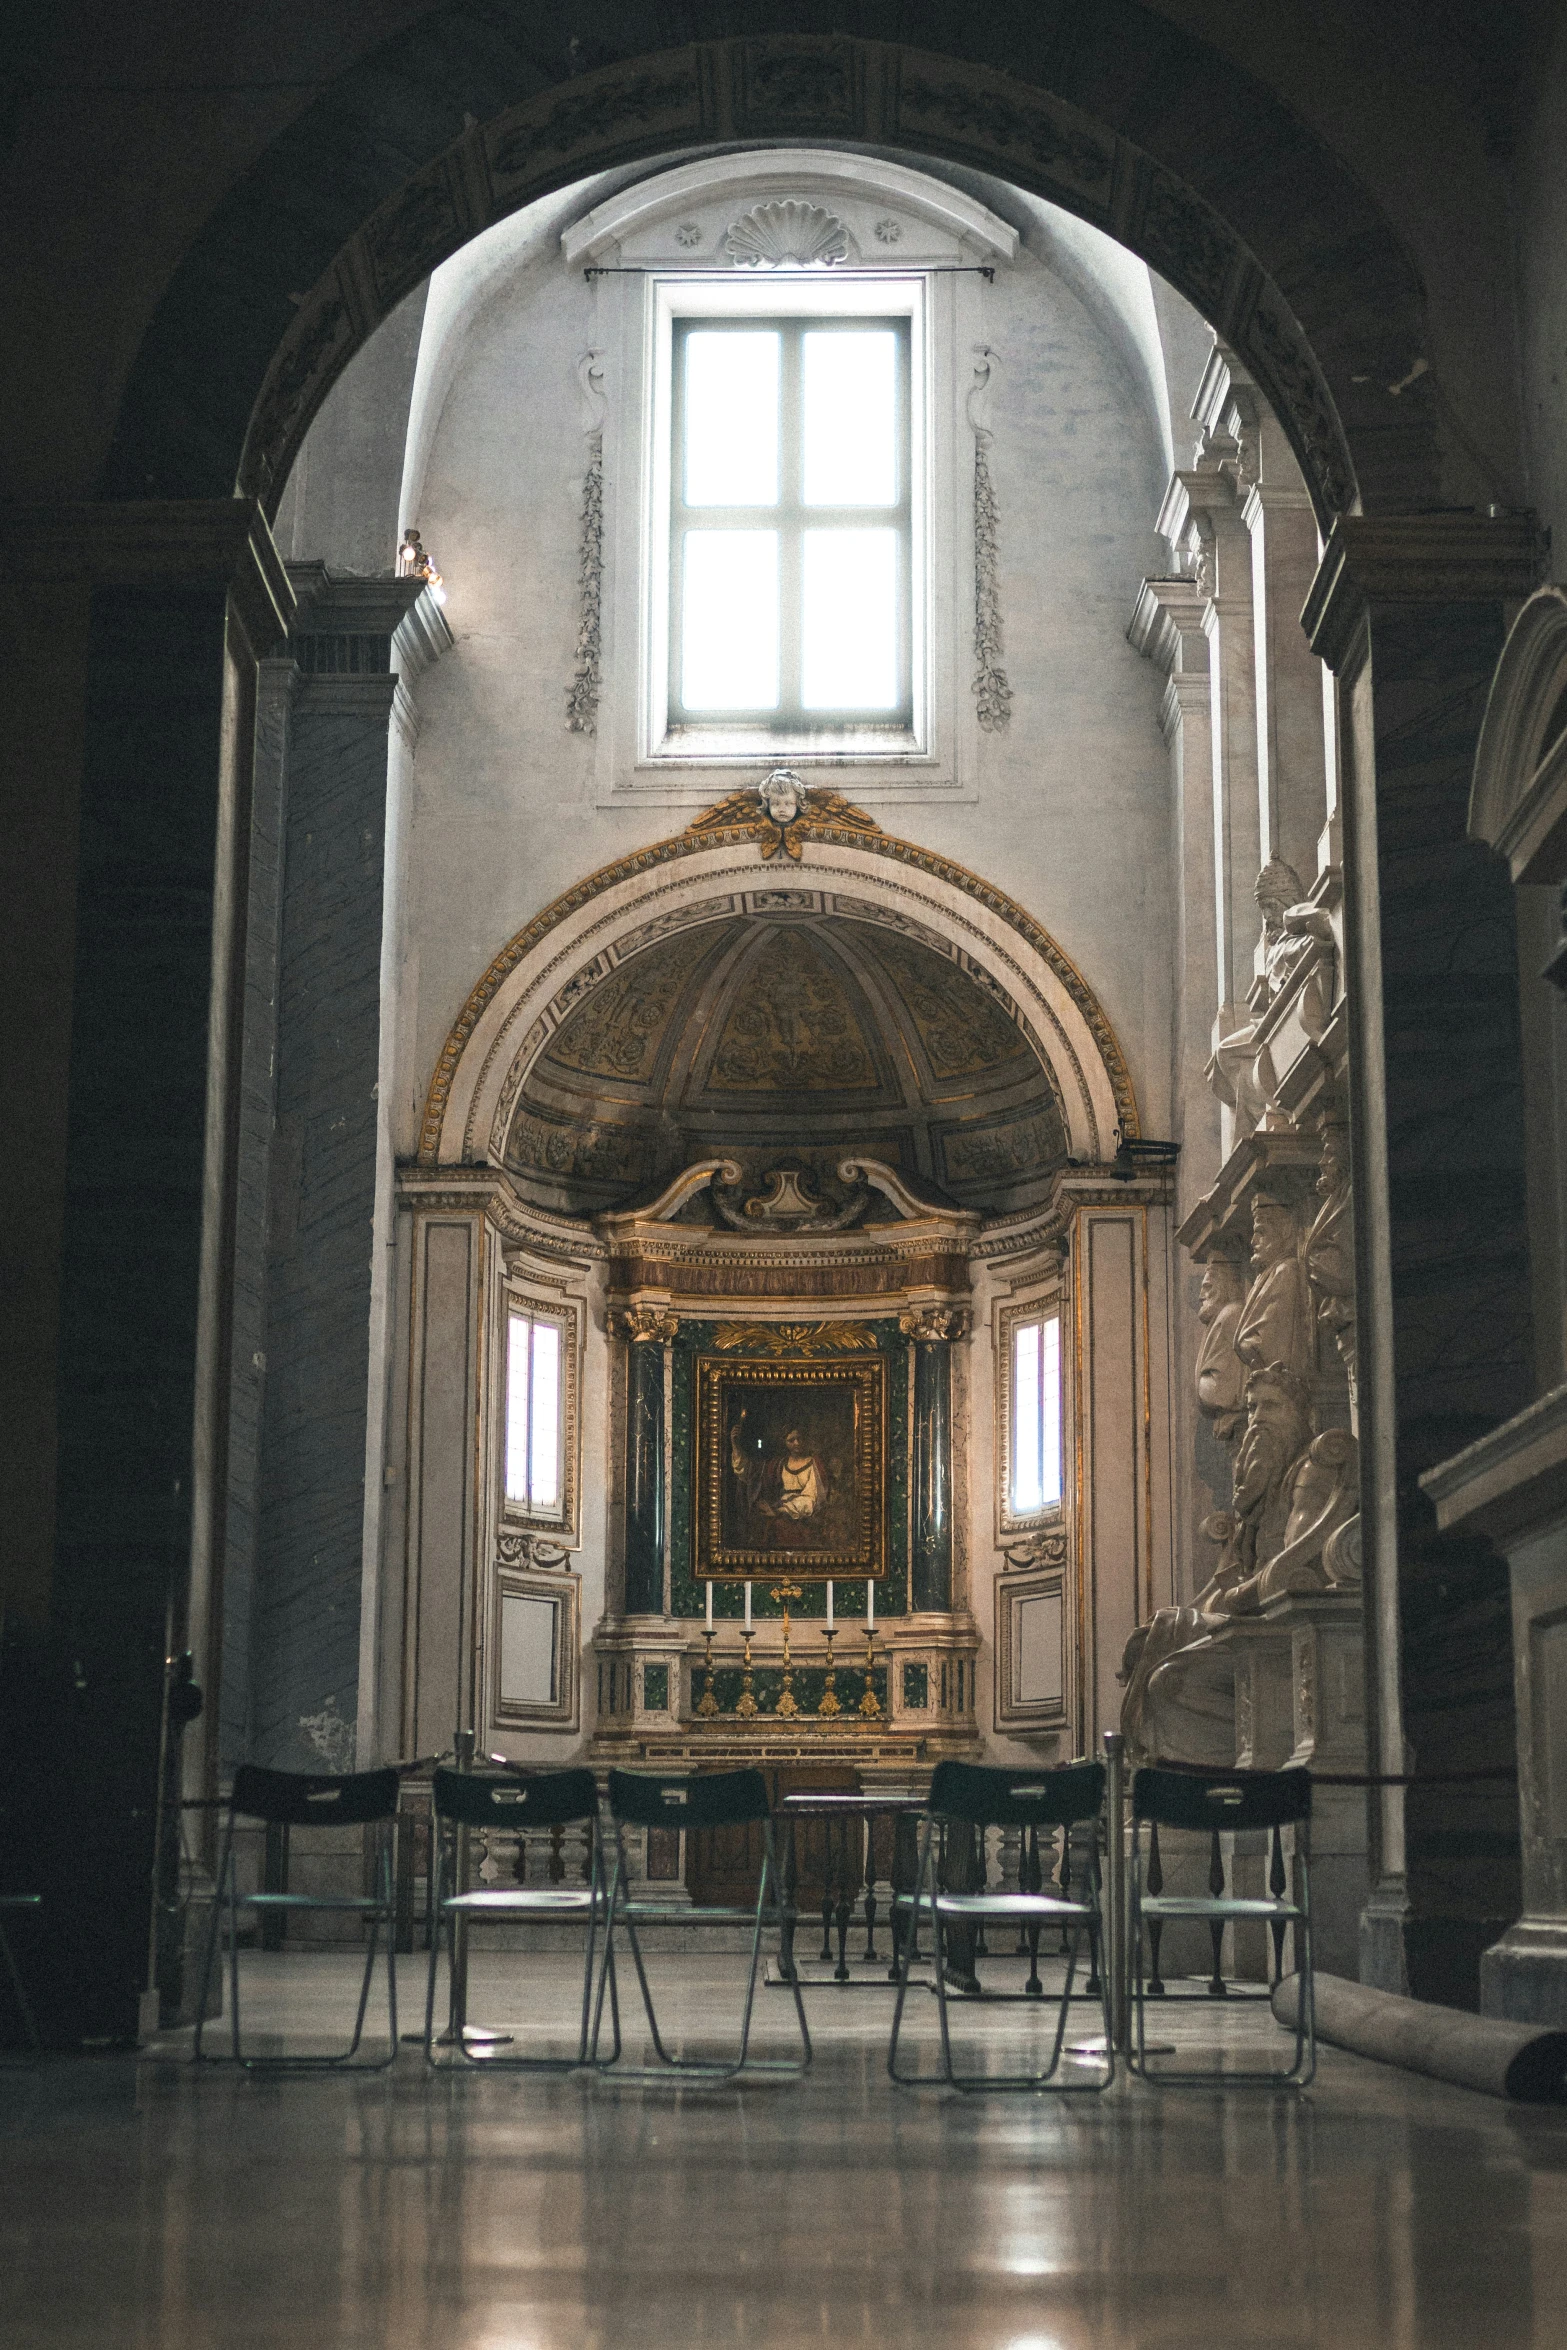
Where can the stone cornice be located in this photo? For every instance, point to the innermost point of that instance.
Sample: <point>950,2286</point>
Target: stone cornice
<point>1193,490</point>
<point>219,543</point>
<point>1512,1481</point>
<point>489,1191</point>
<point>1274,498</point>
<point>1220,1223</point>
<point>1375,559</point>
<point>1166,626</point>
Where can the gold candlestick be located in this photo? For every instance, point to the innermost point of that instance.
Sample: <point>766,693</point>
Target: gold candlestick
<point>708,1705</point>
<point>829,1705</point>
<point>787,1706</point>
<point>746,1706</point>
<point>870,1703</point>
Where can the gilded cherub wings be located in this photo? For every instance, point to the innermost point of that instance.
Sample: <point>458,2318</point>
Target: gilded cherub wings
<point>824,811</point>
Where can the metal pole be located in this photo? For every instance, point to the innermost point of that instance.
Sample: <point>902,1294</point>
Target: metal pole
<point>1115,1893</point>
<point>459,2031</point>
<point>463,1743</point>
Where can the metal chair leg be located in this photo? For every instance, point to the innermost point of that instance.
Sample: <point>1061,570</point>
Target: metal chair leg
<point>19,1993</point>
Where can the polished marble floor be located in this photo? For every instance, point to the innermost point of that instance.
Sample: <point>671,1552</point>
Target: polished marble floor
<point>144,2206</point>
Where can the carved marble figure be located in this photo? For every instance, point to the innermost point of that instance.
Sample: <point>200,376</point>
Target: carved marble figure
<point>1330,1252</point>
<point>1221,1375</point>
<point>1294,932</point>
<point>1277,1323</point>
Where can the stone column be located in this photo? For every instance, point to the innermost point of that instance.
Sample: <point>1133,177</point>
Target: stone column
<point>1512,1487</point>
<point>255,1111</point>
<point>1291,748</point>
<point>1201,515</point>
<point>127,695</point>
<point>1167,626</point>
<point>647,1332</point>
<point>930,1331</point>
<point>1241,435</point>
<point>358,643</point>
<point>1408,612</point>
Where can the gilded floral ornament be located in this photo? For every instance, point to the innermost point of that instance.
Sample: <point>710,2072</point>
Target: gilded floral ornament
<point>776,1339</point>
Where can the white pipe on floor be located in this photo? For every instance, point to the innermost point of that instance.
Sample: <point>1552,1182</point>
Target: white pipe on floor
<point>1526,2062</point>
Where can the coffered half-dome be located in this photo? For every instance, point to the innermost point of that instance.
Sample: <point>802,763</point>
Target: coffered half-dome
<point>790,1035</point>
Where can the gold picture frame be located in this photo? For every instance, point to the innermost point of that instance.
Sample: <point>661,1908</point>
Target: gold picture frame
<point>791,1470</point>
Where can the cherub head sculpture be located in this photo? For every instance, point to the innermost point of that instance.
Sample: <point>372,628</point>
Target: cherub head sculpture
<point>783,795</point>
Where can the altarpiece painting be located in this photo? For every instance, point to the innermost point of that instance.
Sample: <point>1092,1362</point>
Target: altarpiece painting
<point>791,1469</point>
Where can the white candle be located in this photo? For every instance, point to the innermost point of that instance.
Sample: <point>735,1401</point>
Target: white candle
<point>748,1607</point>
<point>870,1607</point>
<point>710,1606</point>
<point>829,1603</point>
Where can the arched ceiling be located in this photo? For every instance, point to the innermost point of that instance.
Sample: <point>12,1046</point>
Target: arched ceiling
<point>795,1036</point>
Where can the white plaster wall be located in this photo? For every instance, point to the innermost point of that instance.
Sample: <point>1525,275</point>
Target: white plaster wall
<point>1072,807</point>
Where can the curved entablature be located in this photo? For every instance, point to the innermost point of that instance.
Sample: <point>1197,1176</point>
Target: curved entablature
<point>947,1016</point>
<point>1518,802</point>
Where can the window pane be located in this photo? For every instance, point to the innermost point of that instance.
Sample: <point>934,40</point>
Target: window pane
<point>851,392</point>
<point>545,1463</point>
<point>732,419</point>
<point>729,622</point>
<point>1050,1414</point>
<point>849,633</point>
<point>1027,1466</point>
<point>517,1408</point>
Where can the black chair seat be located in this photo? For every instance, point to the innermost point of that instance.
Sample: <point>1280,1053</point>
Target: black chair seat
<point>1020,1908</point>
<point>1199,1905</point>
<point>365,1903</point>
<point>555,1901</point>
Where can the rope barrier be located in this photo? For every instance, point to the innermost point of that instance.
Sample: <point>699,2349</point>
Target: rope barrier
<point>1355,1778</point>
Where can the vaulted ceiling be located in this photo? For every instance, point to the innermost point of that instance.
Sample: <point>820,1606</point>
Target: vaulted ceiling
<point>793,1037</point>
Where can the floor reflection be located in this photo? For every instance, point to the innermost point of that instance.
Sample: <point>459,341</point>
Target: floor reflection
<point>144,2204</point>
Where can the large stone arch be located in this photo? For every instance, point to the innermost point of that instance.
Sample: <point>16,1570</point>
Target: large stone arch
<point>1129,123</point>
<point>544,972</point>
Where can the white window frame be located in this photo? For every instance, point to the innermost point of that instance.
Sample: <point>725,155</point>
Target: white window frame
<point>800,294</point>
<point>1012,1319</point>
<point>518,1511</point>
<point>665,240</point>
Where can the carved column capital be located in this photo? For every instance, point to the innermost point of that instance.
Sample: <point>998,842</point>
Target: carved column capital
<point>933,1325</point>
<point>644,1325</point>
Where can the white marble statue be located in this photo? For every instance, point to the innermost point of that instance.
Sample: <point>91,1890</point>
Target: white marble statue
<point>1221,1375</point>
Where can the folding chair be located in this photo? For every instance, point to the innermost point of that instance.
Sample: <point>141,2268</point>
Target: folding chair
<point>547,1799</point>
<point>719,1799</point>
<point>29,1902</point>
<point>1214,1804</point>
<point>300,1799</point>
<point>968,1795</point>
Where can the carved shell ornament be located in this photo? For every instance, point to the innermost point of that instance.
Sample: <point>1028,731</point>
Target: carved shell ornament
<point>774,236</point>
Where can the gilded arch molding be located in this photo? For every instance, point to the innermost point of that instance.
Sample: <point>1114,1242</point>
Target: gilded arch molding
<point>542,974</point>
